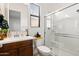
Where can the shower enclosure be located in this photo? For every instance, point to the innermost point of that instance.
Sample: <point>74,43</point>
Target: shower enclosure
<point>62,31</point>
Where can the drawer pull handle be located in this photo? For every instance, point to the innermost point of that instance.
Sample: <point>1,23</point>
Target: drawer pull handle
<point>5,53</point>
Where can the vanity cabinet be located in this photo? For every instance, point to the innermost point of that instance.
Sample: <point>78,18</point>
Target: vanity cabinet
<point>21,48</point>
<point>9,53</point>
<point>26,51</point>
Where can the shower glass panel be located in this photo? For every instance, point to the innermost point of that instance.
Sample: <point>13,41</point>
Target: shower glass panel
<point>66,32</point>
<point>50,34</point>
<point>48,30</point>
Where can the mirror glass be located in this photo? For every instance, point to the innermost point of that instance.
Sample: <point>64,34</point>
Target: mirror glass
<point>14,20</point>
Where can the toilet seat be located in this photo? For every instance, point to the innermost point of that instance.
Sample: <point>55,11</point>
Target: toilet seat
<point>44,49</point>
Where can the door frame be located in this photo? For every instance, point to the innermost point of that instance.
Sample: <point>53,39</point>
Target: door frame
<point>52,21</point>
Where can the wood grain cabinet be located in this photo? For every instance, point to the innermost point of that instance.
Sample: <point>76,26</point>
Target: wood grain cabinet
<point>21,48</point>
<point>9,53</point>
<point>25,51</point>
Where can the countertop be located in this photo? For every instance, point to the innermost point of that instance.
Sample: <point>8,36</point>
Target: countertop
<point>15,39</point>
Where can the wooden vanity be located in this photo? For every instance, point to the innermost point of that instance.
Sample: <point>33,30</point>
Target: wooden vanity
<point>20,48</point>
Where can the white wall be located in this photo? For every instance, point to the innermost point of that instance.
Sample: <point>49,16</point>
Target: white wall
<point>23,9</point>
<point>52,7</point>
<point>45,8</point>
<point>25,18</point>
<point>33,31</point>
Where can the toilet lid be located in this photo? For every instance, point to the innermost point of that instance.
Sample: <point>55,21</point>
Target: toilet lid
<point>44,48</point>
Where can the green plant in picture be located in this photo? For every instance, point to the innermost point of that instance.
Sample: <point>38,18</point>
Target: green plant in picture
<point>4,30</point>
<point>3,26</point>
<point>0,30</point>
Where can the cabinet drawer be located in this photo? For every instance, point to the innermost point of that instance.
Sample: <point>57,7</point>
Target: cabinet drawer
<point>10,46</point>
<point>16,45</point>
<point>26,51</point>
<point>25,43</point>
<point>9,53</point>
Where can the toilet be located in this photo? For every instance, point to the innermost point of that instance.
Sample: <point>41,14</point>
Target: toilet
<point>44,50</point>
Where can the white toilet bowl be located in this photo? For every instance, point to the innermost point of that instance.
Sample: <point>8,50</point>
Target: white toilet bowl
<point>44,51</point>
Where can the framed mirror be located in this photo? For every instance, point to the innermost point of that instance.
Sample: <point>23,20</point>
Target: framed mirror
<point>14,20</point>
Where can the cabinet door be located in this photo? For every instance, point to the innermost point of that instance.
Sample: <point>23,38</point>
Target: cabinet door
<point>9,53</point>
<point>26,51</point>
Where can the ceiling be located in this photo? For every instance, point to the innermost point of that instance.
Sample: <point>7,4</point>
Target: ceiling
<point>52,7</point>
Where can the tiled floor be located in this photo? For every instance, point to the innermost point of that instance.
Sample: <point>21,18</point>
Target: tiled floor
<point>55,52</point>
<point>36,53</point>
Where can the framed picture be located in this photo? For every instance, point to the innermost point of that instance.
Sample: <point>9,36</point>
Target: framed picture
<point>34,15</point>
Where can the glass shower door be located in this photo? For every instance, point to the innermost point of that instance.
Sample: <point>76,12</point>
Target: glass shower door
<point>67,31</point>
<point>48,30</point>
